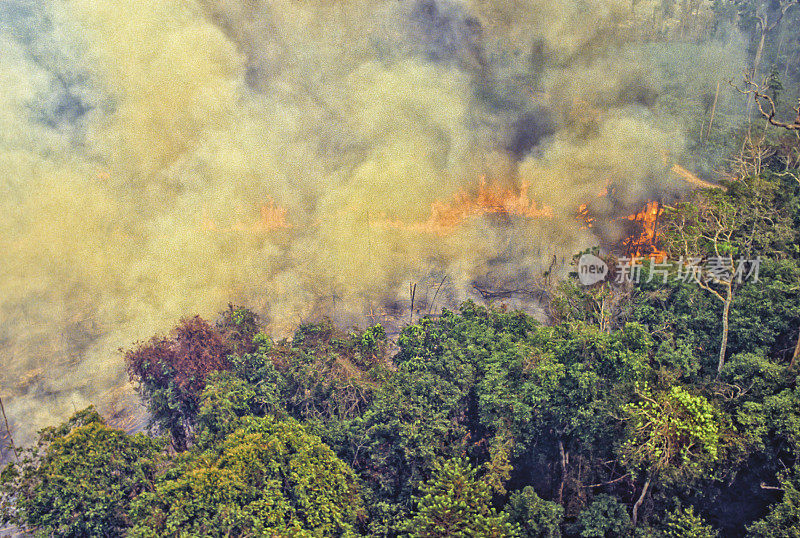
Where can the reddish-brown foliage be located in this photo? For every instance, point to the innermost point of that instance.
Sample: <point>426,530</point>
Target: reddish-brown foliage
<point>193,350</point>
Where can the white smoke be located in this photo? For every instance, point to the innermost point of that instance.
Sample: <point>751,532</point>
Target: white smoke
<point>139,142</point>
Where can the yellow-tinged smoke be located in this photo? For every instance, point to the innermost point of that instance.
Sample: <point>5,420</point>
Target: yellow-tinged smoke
<point>161,158</point>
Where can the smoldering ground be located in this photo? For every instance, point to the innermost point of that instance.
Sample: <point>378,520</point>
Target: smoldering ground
<point>164,158</point>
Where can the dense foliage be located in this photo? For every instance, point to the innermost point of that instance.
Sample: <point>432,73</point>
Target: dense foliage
<point>481,422</point>
<point>664,407</point>
<point>266,478</point>
<point>80,478</point>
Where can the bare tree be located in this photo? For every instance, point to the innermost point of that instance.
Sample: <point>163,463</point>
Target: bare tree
<point>766,105</point>
<point>8,431</point>
<point>765,28</point>
<point>694,228</point>
<point>767,108</point>
<point>715,234</point>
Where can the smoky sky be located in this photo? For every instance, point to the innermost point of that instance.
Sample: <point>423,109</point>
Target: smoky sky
<point>149,148</point>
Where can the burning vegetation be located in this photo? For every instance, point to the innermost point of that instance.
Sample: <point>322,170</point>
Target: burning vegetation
<point>490,199</point>
<point>446,216</point>
<point>643,239</point>
<point>432,169</point>
<point>312,158</point>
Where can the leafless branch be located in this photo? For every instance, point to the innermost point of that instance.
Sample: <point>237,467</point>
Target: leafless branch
<point>766,105</point>
<point>10,437</point>
<point>607,482</point>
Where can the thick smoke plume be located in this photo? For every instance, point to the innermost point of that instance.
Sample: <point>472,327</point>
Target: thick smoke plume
<point>305,157</point>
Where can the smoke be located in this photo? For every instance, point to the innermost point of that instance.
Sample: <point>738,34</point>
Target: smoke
<point>163,158</point>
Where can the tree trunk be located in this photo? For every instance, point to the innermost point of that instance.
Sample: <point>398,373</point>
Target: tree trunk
<point>757,66</point>
<point>8,431</point>
<point>640,500</point>
<point>603,326</point>
<point>563,470</point>
<point>713,112</point>
<point>796,353</point>
<point>725,315</point>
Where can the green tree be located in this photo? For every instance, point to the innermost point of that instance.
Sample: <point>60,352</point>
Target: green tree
<point>684,523</point>
<point>455,502</point>
<point>536,517</point>
<point>765,315</point>
<point>252,388</point>
<point>453,392</point>
<point>723,228</point>
<point>240,326</point>
<point>268,477</point>
<point>671,430</point>
<point>605,517</point>
<point>79,479</point>
<point>329,375</point>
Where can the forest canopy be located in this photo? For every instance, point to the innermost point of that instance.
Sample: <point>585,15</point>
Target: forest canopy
<point>659,400</point>
<point>617,421</point>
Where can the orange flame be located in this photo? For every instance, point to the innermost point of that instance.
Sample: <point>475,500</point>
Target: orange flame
<point>273,217</point>
<point>585,217</point>
<point>490,199</point>
<point>645,244</point>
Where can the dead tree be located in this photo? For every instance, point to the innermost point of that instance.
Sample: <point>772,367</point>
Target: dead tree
<point>767,108</point>
<point>766,105</point>
<point>765,28</point>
